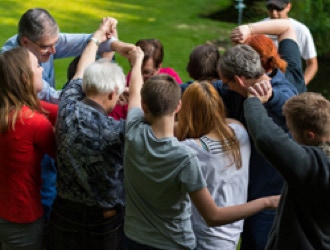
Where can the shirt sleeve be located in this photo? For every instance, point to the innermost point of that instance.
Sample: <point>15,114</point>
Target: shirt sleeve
<point>298,164</point>
<point>44,136</point>
<point>52,110</point>
<point>48,93</point>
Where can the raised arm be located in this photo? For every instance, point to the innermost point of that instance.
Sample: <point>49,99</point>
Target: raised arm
<point>101,34</point>
<point>135,57</point>
<point>282,28</point>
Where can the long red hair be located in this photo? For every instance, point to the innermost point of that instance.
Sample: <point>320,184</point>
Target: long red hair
<point>270,59</point>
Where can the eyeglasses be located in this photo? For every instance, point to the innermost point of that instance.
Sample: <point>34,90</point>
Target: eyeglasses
<point>273,7</point>
<point>43,46</point>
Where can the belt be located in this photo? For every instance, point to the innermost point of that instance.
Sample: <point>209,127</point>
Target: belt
<point>82,208</point>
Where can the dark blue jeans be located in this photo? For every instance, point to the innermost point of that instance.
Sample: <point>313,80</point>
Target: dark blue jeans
<point>77,227</point>
<point>256,230</point>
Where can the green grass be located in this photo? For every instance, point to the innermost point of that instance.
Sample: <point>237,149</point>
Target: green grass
<point>177,24</point>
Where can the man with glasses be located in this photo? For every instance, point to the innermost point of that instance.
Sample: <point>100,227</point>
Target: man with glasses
<point>280,9</point>
<point>39,32</point>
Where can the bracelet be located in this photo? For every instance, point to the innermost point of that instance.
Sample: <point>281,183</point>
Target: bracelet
<point>95,40</point>
<point>251,29</point>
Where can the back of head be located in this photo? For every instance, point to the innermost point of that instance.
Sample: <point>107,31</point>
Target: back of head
<point>270,59</point>
<point>202,111</point>
<point>152,48</point>
<point>103,77</point>
<point>16,84</point>
<point>308,111</point>
<point>241,60</point>
<point>161,94</point>
<point>36,23</point>
<point>203,63</point>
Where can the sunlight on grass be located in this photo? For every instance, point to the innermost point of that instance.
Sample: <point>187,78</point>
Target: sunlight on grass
<point>176,24</point>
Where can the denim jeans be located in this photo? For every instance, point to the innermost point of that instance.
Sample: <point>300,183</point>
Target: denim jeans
<point>48,187</point>
<point>256,230</point>
<point>21,236</point>
<point>74,226</point>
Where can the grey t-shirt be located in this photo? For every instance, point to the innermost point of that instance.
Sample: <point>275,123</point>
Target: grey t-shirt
<point>159,174</point>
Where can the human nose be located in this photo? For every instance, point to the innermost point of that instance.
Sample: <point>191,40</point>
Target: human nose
<point>52,49</point>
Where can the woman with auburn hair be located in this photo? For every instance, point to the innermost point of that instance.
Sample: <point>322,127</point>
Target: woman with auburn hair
<point>223,149</point>
<point>25,136</point>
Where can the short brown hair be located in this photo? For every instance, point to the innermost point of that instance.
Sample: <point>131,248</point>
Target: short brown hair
<point>308,111</point>
<point>152,48</point>
<point>161,94</point>
<point>203,63</point>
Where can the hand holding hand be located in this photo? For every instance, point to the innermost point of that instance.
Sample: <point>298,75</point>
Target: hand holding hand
<point>241,33</point>
<point>106,29</point>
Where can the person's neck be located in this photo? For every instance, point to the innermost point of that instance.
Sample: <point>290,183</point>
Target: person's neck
<point>162,127</point>
<point>101,100</point>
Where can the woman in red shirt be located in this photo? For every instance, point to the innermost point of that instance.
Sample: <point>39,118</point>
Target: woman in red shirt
<point>25,136</point>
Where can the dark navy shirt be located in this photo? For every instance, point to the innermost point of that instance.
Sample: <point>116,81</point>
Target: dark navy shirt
<point>90,147</point>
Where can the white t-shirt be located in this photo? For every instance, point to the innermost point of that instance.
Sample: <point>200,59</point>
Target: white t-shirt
<point>304,39</point>
<point>227,186</point>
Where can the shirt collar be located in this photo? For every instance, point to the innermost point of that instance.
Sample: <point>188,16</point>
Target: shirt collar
<point>94,105</point>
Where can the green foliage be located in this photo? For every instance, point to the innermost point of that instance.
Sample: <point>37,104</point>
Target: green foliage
<point>315,14</point>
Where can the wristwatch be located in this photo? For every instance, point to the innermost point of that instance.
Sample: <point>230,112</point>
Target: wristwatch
<point>95,40</point>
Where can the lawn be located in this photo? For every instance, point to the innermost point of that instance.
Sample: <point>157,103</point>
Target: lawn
<point>176,23</point>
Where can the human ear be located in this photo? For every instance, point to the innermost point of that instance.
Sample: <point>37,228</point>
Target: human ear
<point>24,41</point>
<point>178,107</point>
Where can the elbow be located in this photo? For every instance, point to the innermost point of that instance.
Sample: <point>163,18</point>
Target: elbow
<point>214,222</point>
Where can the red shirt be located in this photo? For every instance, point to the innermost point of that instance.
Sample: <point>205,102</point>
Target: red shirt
<point>21,151</point>
<point>121,111</point>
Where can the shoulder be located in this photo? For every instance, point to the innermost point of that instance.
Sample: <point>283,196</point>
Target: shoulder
<point>135,117</point>
<point>12,42</point>
<point>171,72</point>
<point>298,25</point>
<point>239,129</point>
<point>33,118</point>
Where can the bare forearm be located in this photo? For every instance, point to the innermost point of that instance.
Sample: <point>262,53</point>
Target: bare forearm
<point>226,215</point>
<point>217,216</point>
<point>310,70</point>
<point>87,57</point>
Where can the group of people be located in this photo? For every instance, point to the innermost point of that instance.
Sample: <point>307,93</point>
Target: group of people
<point>145,161</point>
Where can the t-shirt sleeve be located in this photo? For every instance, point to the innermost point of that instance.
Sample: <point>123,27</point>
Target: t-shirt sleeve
<point>52,110</point>
<point>191,176</point>
<point>134,117</point>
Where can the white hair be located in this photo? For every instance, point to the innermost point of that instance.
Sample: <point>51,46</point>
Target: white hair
<point>102,77</point>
